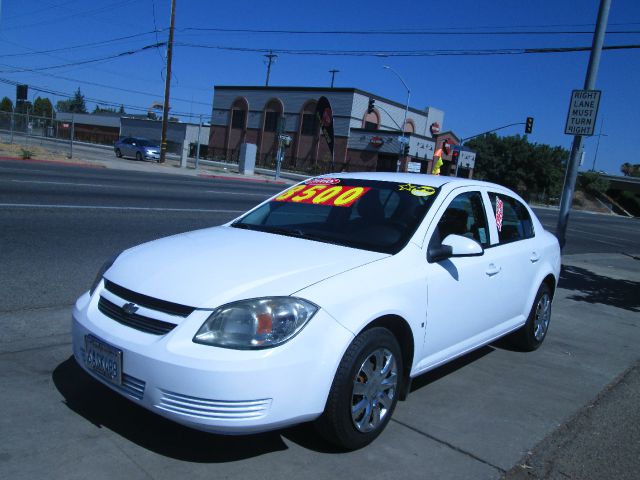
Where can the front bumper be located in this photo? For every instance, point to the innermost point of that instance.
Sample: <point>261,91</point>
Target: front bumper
<point>216,389</point>
<point>151,155</point>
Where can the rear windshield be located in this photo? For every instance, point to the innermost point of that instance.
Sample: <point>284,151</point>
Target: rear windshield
<point>370,215</point>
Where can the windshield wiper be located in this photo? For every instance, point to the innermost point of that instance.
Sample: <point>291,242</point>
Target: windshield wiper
<point>288,232</point>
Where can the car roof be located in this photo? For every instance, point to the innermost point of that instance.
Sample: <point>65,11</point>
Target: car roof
<point>417,178</point>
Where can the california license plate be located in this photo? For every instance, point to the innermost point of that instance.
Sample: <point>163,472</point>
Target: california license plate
<point>103,359</point>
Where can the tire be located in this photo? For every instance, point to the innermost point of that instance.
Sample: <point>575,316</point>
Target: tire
<point>118,153</point>
<point>364,392</point>
<point>138,156</point>
<point>531,335</point>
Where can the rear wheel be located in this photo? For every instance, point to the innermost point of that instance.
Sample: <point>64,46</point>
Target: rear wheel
<point>364,392</point>
<point>533,333</point>
<point>118,153</point>
<point>138,156</point>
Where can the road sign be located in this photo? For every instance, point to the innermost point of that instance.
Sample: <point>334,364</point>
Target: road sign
<point>467,159</point>
<point>583,111</point>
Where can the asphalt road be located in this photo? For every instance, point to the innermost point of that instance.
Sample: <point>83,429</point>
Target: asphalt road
<point>475,418</point>
<point>64,222</point>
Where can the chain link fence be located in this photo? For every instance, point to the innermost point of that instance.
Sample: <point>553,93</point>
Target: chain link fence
<point>17,127</point>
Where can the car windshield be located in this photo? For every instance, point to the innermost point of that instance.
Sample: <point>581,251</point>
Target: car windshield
<point>371,215</point>
<point>144,143</point>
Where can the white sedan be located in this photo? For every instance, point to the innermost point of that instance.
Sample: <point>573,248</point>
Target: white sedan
<point>320,304</point>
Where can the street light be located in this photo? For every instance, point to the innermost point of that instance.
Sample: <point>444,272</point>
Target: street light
<point>406,110</point>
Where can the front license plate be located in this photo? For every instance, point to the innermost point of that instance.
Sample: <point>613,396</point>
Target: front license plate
<point>103,359</point>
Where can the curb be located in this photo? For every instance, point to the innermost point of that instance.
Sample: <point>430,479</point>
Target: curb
<point>243,179</point>
<point>53,162</point>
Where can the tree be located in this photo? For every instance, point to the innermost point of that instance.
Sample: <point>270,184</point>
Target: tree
<point>517,164</point>
<point>593,183</point>
<point>6,105</point>
<point>76,104</point>
<point>42,107</point>
<point>629,170</point>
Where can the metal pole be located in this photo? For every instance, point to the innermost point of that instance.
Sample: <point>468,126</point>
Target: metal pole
<point>167,86</point>
<point>593,168</point>
<point>198,145</point>
<point>13,113</point>
<point>576,148</point>
<point>406,111</point>
<point>27,127</point>
<point>73,129</point>
<point>280,151</point>
<point>333,75</point>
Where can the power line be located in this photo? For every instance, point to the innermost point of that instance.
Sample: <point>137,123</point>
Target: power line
<point>108,7</point>
<point>408,53</point>
<point>403,32</point>
<point>92,99</point>
<point>84,45</point>
<point>84,62</point>
<point>126,90</point>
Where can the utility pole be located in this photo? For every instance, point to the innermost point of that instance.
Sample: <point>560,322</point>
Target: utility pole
<point>167,86</point>
<point>270,59</point>
<point>333,75</point>
<point>576,148</point>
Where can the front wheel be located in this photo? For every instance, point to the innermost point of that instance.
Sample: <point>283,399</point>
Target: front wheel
<point>531,335</point>
<point>138,156</point>
<point>364,392</point>
<point>118,153</point>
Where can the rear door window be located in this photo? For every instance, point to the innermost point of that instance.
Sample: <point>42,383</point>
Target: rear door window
<point>512,218</point>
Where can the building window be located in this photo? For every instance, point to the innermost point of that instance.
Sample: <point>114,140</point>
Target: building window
<point>309,124</point>
<point>271,121</point>
<point>238,118</point>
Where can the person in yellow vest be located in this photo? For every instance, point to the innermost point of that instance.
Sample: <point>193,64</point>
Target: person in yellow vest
<point>437,162</point>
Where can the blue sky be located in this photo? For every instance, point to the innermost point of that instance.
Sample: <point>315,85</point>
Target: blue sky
<point>477,93</point>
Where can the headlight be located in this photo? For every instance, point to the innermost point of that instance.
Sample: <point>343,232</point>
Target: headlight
<point>106,266</point>
<point>256,323</point>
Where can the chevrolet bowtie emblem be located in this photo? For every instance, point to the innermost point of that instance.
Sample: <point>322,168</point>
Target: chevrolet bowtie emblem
<point>130,308</point>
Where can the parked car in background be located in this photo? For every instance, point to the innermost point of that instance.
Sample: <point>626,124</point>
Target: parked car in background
<point>139,148</point>
<point>320,304</point>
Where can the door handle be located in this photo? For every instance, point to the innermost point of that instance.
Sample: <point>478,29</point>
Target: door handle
<point>493,270</point>
<point>534,257</point>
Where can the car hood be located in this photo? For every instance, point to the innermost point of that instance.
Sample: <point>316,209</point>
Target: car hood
<point>210,267</point>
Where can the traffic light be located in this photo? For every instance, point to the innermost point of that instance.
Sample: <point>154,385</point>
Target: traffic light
<point>405,150</point>
<point>528,125</point>
<point>455,156</point>
<point>371,103</point>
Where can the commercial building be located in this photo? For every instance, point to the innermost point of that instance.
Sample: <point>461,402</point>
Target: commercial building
<point>366,139</point>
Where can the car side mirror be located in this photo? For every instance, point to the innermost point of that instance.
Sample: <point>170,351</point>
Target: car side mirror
<point>454,246</point>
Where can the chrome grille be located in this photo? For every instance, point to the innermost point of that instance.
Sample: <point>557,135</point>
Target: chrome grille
<point>132,386</point>
<point>133,320</point>
<point>213,409</point>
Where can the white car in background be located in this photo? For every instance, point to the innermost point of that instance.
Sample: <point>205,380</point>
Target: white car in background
<point>320,304</point>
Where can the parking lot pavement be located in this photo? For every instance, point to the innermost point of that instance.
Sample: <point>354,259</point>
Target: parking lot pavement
<point>473,419</point>
<point>601,441</point>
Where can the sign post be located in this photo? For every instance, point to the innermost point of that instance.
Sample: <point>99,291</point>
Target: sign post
<point>576,148</point>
